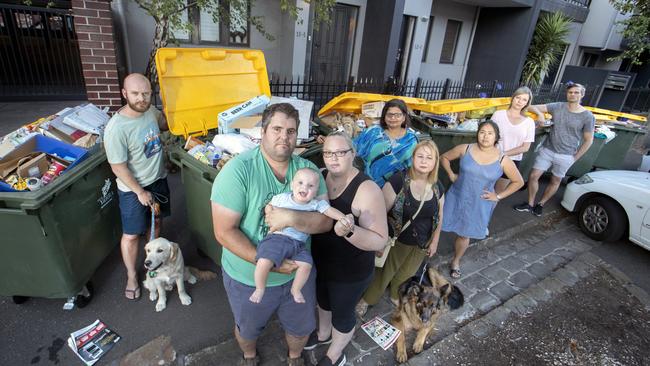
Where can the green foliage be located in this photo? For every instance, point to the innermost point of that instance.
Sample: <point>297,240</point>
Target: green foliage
<point>636,29</point>
<point>546,47</point>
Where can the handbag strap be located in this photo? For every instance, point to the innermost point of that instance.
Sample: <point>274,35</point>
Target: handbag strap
<point>424,194</point>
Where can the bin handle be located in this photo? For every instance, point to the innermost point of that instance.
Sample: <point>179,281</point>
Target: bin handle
<point>207,178</point>
<point>13,211</point>
<point>175,159</point>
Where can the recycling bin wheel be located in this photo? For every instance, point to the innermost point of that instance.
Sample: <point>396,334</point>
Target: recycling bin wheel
<point>85,295</point>
<point>19,299</point>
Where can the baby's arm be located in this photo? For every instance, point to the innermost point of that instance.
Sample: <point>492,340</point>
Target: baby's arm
<point>334,214</point>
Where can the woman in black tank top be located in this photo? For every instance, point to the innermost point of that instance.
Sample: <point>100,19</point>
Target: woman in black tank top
<point>344,256</point>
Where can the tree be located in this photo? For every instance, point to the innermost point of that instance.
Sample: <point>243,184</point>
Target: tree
<point>167,14</point>
<point>546,47</point>
<point>636,29</point>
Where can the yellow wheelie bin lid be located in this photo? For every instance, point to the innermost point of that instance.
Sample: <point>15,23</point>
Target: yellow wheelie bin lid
<point>351,102</point>
<point>196,84</point>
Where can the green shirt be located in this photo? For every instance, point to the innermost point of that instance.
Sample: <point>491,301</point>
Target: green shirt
<point>136,142</point>
<point>245,185</point>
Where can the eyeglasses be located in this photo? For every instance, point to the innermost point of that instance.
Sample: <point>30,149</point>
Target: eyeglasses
<point>338,154</point>
<point>394,115</point>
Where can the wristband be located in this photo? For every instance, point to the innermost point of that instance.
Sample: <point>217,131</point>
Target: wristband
<point>348,235</point>
<point>498,198</point>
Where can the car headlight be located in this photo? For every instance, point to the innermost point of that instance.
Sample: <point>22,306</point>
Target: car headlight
<point>585,179</point>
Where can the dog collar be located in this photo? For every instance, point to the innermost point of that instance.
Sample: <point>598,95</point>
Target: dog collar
<point>152,274</point>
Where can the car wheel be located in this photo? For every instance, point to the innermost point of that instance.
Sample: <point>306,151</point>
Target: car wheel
<point>603,219</point>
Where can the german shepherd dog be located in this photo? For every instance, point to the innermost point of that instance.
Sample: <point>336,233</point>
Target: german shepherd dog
<point>420,305</point>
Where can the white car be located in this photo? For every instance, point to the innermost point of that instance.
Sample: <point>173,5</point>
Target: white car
<point>609,202</point>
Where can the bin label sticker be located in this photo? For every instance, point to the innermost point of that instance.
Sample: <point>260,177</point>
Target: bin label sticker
<point>107,194</point>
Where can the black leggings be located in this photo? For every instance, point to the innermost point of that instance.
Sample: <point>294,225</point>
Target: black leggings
<point>341,298</point>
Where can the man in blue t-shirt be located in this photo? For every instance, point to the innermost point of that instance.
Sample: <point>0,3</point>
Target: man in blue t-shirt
<point>242,217</point>
<point>570,137</point>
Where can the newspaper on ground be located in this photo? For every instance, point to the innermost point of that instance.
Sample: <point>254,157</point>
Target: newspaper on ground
<point>92,342</point>
<point>381,332</point>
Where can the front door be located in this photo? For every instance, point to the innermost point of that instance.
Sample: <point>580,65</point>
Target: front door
<point>331,52</point>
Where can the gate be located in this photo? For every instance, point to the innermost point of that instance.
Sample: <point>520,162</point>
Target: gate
<point>39,55</point>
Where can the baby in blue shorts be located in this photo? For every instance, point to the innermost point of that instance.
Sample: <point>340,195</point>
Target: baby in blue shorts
<point>289,243</point>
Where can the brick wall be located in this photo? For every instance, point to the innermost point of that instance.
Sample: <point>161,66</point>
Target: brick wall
<point>93,22</point>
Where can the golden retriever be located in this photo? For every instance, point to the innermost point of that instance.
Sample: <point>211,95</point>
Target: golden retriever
<point>165,267</point>
<point>419,307</point>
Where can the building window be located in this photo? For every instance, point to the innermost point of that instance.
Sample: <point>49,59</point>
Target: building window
<point>450,41</point>
<point>425,54</point>
<point>232,32</point>
<point>589,59</point>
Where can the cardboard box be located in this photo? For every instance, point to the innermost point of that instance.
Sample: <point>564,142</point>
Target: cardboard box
<point>34,167</point>
<point>249,107</point>
<point>304,108</point>
<point>372,109</point>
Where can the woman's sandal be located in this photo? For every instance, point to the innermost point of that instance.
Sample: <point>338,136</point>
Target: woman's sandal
<point>455,273</point>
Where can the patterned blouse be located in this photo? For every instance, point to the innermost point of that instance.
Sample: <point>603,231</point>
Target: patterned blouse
<point>383,157</point>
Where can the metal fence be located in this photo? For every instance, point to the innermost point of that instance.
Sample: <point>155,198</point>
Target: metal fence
<point>638,101</point>
<point>39,54</point>
<point>320,92</point>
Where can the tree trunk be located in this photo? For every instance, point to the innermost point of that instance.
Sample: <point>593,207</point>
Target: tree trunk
<point>160,39</point>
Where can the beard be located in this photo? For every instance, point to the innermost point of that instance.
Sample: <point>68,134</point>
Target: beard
<point>139,107</point>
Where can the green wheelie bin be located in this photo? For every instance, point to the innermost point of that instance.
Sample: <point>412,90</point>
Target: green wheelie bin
<point>586,162</point>
<point>197,179</point>
<point>528,160</point>
<point>446,140</point>
<point>611,156</point>
<point>55,238</point>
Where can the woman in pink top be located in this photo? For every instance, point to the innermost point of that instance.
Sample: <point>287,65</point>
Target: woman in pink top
<point>516,129</point>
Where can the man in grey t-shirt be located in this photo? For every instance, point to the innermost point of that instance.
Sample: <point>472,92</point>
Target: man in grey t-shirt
<point>571,136</point>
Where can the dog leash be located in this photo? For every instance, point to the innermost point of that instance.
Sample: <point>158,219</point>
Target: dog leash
<point>424,270</point>
<point>162,199</point>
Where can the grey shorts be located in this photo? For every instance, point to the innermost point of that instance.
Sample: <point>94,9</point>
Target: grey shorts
<point>559,163</point>
<point>278,247</point>
<point>298,320</point>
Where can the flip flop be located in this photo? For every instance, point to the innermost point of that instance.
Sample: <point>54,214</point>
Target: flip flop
<point>132,294</point>
<point>455,273</point>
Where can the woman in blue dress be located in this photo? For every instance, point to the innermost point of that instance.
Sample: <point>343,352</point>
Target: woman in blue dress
<point>471,198</point>
<point>387,148</point>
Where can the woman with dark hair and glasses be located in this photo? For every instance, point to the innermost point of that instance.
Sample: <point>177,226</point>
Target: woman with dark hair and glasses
<point>387,148</point>
<point>471,198</point>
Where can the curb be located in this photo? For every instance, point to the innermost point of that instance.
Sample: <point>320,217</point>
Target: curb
<point>524,303</point>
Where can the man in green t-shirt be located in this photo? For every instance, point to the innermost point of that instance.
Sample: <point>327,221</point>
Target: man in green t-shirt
<point>241,219</point>
<point>134,151</point>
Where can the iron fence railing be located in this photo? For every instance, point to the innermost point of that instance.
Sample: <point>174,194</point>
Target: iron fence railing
<point>638,101</point>
<point>39,54</point>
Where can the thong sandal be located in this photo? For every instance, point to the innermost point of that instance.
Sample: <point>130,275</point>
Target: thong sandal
<point>455,273</point>
<point>132,294</point>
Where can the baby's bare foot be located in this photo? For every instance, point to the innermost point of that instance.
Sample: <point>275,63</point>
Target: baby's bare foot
<point>297,296</point>
<point>257,295</point>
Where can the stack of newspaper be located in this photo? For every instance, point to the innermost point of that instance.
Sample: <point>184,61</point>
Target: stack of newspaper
<point>381,332</point>
<point>92,342</point>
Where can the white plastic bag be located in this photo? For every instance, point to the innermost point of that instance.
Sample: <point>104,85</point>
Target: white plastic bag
<point>233,143</point>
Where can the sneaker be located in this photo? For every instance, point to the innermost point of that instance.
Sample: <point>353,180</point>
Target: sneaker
<point>537,210</point>
<point>524,207</point>
<point>313,341</point>
<point>325,361</point>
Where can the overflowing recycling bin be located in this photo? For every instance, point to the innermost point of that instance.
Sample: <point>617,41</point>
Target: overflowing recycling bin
<point>611,155</point>
<point>54,238</point>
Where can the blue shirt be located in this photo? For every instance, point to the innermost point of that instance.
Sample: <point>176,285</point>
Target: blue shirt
<point>383,157</point>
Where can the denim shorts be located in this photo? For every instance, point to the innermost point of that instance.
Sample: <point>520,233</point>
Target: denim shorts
<point>278,247</point>
<point>135,216</point>
<point>559,163</point>
<point>298,320</point>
